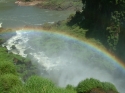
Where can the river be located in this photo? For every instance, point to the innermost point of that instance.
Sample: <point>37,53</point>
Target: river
<point>12,15</point>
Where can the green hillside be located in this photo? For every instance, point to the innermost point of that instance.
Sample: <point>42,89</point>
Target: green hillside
<point>20,75</point>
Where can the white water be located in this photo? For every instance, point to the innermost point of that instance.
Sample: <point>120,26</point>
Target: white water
<point>64,68</point>
<point>19,41</point>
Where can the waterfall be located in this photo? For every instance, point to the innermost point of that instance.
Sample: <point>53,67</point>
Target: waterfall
<point>18,44</point>
<point>72,64</point>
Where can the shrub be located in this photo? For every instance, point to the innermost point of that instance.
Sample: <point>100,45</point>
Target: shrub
<point>8,81</point>
<point>36,83</point>
<point>7,67</point>
<point>18,89</point>
<point>107,86</point>
<point>87,85</point>
<point>70,87</point>
<point>61,90</point>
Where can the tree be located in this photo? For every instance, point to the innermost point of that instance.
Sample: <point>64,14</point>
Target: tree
<point>106,19</point>
<point>87,85</point>
<point>107,86</point>
<point>90,84</point>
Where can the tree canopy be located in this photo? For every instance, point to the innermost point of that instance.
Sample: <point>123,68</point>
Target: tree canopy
<point>105,20</point>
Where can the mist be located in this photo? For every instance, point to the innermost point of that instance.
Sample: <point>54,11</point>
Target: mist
<point>65,60</point>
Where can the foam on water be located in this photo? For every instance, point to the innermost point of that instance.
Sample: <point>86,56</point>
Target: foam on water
<point>17,43</point>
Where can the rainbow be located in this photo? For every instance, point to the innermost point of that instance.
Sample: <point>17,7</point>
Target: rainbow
<point>115,60</point>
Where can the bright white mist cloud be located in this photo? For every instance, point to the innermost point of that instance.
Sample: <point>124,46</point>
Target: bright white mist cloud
<point>64,60</point>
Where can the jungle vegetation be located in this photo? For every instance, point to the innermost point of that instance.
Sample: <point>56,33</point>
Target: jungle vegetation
<point>16,76</point>
<point>101,21</point>
<point>105,21</point>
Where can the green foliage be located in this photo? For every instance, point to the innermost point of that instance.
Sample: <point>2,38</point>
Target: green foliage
<point>5,55</point>
<point>19,89</point>
<point>107,86</point>
<point>39,83</point>
<point>62,90</point>
<point>19,58</point>
<point>1,41</point>
<point>8,81</point>
<point>105,20</point>
<point>7,67</point>
<point>11,63</point>
<point>112,40</point>
<point>70,87</point>
<point>88,84</point>
<point>114,30</point>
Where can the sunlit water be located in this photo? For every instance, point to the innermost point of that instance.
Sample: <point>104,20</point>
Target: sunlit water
<point>13,16</point>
